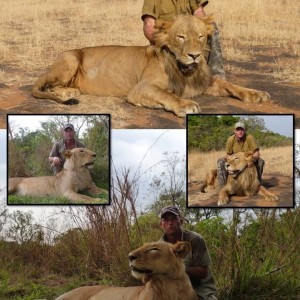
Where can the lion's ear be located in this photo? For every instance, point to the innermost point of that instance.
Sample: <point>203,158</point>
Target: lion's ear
<point>67,153</point>
<point>182,249</point>
<point>162,25</point>
<point>249,154</point>
<point>161,32</point>
<point>208,20</point>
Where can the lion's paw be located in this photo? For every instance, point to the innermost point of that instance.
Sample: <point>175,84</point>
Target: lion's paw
<point>66,93</point>
<point>255,96</point>
<point>187,107</point>
<point>272,198</point>
<point>223,201</point>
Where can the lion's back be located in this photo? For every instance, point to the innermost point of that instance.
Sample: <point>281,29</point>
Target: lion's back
<point>118,68</point>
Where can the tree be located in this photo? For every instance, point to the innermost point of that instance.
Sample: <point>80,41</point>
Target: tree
<point>254,123</point>
<point>22,229</point>
<point>169,187</point>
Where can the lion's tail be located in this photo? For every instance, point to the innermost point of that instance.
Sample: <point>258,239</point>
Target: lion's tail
<point>39,90</point>
<point>210,181</point>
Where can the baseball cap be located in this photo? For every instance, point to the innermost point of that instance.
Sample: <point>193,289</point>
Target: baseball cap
<point>68,126</point>
<point>239,125</point>
<point>170,209</point>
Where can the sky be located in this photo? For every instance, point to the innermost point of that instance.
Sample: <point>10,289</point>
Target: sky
<point>282,124</point>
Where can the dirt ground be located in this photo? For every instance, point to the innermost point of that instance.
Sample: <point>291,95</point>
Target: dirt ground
<point>280,185</point>
<point>17,99</point>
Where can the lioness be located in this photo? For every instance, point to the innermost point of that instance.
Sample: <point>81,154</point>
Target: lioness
<point>162,75</point>
<point>158,265</point>
<point>74,177</point>
<point>242,179</point>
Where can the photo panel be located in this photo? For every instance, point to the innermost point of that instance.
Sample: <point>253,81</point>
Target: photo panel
<point>58,159</point>
<point>240,161</point>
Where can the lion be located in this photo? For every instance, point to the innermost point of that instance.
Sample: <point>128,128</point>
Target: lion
<point>242,179</point>
<point>158,265</point>
<point>165,75</point>
<point>74,177</point>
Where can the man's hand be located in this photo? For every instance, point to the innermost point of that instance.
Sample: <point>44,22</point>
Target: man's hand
<point>199,12</point>
<point>149,23</point>
<point>56,161</point>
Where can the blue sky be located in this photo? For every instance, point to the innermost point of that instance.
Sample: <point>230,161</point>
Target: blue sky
<point>282,124</point>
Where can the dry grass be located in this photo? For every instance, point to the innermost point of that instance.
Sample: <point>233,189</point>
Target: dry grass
<point>34,32</point>
<point>277,160</point>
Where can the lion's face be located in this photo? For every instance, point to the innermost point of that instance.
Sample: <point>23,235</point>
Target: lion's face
<point>158,258</point>
<point>79,158</point>
<point>186,39</point>
<point>238,162</point>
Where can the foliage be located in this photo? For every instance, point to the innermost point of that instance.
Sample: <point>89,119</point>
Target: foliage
<point>208,133</point>
<point>254,254</point>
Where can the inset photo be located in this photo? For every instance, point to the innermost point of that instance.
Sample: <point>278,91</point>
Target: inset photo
<point>240,161</point>
<point>58,159</point>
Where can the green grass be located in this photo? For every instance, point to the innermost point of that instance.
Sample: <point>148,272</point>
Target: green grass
<point>27,200</point>
<point>23,287</point>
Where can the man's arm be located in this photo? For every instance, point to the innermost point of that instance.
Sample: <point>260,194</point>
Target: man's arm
<point>201,259</point>
<point>256,154</point>
<point>54,156</point>
<point>149,23</point>
<point>149,15</point>
<point>254,147</point>
<point>196,271</point>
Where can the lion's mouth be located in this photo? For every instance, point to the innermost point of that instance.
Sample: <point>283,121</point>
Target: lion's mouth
<point>234,173</point>
<point>187,69</point>
<point>89,165</point>
<point>142,271</point>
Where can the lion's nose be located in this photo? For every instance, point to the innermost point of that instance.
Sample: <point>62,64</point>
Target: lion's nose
<point>132,257</point>
<point>193,56</point>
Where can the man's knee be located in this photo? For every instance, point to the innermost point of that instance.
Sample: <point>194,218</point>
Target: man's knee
<point>260,162</point>
<point>215,60</point>
<point>221,172</point>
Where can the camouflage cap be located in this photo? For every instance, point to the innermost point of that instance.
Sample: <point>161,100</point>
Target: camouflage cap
<point>68,126</point>
<point>239,125</point>
<point>170,209</point>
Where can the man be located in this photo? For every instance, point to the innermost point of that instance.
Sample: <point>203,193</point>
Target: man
<point>168,10</point>
<point>197,263</point>
<point>56,157</point>
<point>240,141</point>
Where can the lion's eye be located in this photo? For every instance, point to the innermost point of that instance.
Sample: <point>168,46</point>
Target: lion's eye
<point>201,37</point>
<point>153,249</point>
<point>181,37</point>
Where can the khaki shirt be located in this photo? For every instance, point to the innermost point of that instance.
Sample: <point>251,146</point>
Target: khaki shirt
<point>205,288</point>
<point>58,150</point>
<point>247,144</point>
<point>168,9</point>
